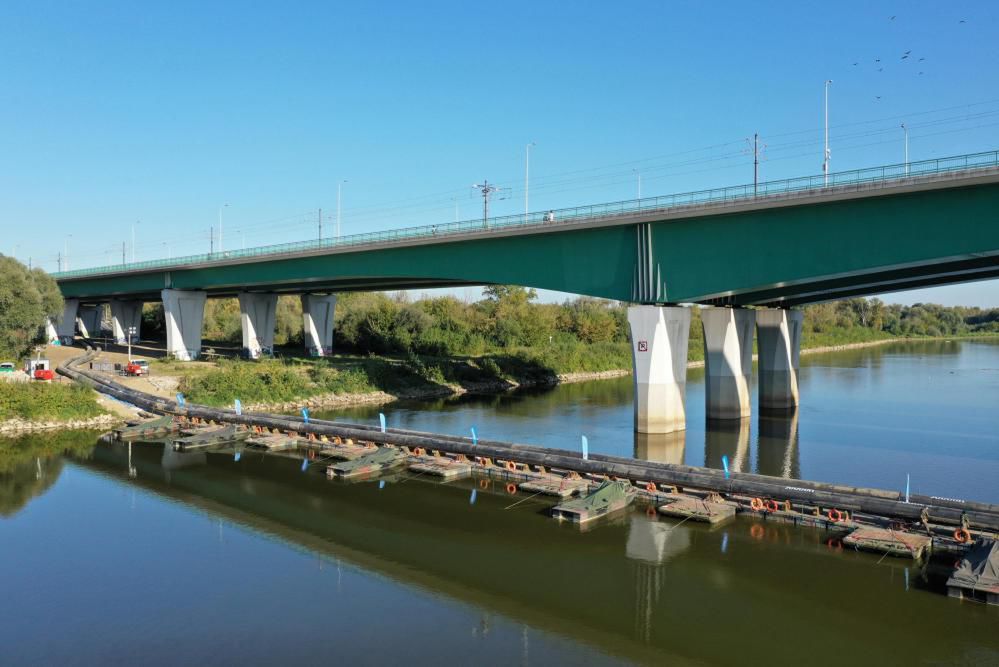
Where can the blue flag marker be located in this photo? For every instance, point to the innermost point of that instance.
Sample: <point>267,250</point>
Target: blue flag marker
<point>725,463</point>
<point>724,545</point>
<point>586,448</point>
<point>381,484</point>
<point>305,415</point>
<point>471,499</point>
<point>305,464</point>
<point>381,418</point>
<point>475,438</point>
<point>235,457</point>
<point>180,400</point>
<point>239,407</point>
<point>906,492</point>
<point>906,578</point>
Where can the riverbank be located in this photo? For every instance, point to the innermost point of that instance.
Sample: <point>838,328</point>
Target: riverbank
<point>27,407</point>
<point>335,400</point>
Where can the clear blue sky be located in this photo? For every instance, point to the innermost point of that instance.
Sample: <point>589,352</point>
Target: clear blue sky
<point>117,112</point>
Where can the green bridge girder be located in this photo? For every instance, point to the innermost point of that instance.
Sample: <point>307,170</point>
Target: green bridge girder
<point>771,251</point>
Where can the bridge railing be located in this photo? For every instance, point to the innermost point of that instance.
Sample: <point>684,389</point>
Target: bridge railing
<point>870,177</point>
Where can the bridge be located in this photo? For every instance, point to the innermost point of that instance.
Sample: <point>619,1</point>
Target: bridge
<point>771,246</point>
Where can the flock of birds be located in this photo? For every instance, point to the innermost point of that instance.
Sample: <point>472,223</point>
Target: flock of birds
<point>907,55</point>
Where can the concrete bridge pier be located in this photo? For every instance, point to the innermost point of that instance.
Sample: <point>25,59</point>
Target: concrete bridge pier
<point>65,328</point>
<point>124,316</point>
<point>659,336</point>
<point>728,361</point>
<point>88,320</point>
<point>317,323</point>
<point>184,314</point>
<point>779,344</point>
<point>258,314</point>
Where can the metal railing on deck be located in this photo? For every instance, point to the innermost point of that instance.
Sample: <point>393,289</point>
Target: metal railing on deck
<point>870,177</point>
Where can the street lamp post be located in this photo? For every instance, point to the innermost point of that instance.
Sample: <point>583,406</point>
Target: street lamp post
<point>65,252</point>
<point>339,192</point>
<point>906,131</point>
<point>639,174</point>
<point>133,239</point>
<point>825,161</point>
<point>220,226</point>
<point>527,179</point>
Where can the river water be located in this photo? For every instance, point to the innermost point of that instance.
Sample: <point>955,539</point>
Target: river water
<point>118,554</point>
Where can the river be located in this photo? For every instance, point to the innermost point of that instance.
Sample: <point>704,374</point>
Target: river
<point>113,554</point>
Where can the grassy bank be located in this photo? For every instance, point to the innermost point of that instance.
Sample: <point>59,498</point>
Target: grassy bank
<point>289,379</point>
<point>42,401</point>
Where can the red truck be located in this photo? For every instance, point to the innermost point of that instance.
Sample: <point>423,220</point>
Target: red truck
<point>39,369</point>
<point>137,367</point>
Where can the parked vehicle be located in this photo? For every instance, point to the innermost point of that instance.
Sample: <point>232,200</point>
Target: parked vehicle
<point>137,367</point>
<point>6,367</point>
<point>39,369</point>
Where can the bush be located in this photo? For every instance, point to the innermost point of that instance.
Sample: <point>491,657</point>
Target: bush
<point>39,401</point>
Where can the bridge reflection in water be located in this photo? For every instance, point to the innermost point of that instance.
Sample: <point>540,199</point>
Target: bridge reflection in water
<point>639,588</point>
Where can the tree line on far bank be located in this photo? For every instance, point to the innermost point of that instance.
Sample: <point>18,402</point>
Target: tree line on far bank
<point>27,298</point>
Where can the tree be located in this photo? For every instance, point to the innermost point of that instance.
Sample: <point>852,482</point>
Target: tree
<point>27,298</point>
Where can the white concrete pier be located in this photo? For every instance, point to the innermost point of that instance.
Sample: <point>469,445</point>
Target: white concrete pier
<point>184,314</point>
<point>317,323</point>
<point>659,336</point>
<point>65,328</point>
<point>124,316</point>
<point>728,361</point>
<point>779,346</point>
<point>88,320</point>
<point>258,315</point>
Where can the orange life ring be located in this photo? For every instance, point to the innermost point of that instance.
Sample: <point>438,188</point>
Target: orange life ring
<point>483,484</point>
<point>312,454</point>
<point>772,506</point>
<point>834,515</point>
<point>511,489</point>
<point>757,531</point>
<point>510,465</point>
<point>961,535</point>
<point>418,451</point>
<point>651,487</point>
<point>756,504</point>
<point>650,511</point>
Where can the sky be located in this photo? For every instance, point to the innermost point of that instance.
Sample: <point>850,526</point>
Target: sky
<point>147,118</point>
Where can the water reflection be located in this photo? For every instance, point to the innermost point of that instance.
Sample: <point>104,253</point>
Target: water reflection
<point>777,445</point>
<point>661,447</point>
<point>727,437</point>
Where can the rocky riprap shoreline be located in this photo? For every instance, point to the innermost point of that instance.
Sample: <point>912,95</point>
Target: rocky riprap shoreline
<point>18,426</point>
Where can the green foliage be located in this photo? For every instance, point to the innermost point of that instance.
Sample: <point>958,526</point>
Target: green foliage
<point>27,298</point>
<point>40,401</point>
<point>263,381</point>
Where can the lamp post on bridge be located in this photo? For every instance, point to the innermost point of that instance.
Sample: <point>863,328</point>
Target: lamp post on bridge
<point>825,161</point>
<point>137,222</point>
<point>527,179</point>
<point>906,131</point>
<point>221,248</point>
<point>339,192</point>
<point>638,173</point>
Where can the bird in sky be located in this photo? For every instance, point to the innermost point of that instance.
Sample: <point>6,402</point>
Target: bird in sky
<point>881,69</point>
<point>921,60</point>
<point>892,18</point>
<point>877,97</point>
<point>920,74</point>
<point>855,64</point>
<point>877,60</point>
<point>908,52</point>
<point>904,57</point>
<point>962,21</point>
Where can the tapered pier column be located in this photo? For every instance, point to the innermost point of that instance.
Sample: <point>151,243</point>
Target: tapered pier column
<point>66,327</point>
<point>258,314</point>
<point>88,320</point>
<point>184,313</point>
<point>126,315</point>
<point>659,336</point>
<point>317,323</point>
<point>728,361</point>
<point>779,343</point>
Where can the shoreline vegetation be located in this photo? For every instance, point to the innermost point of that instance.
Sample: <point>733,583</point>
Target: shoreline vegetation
<point>439,346</point>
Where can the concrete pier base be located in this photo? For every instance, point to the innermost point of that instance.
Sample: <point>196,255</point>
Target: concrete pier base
<point>124,316</point>
<point>728,361</point>
<point>779,346</point>
<point>66,326</point>
<point>88,321</point>
<point>51,335</point>
<point>317,323</point>
<point>659,336</point>
<point>184,313</point>
<point>258,314</point>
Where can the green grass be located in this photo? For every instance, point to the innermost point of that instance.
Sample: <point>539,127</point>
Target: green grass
<point>42,401</point>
